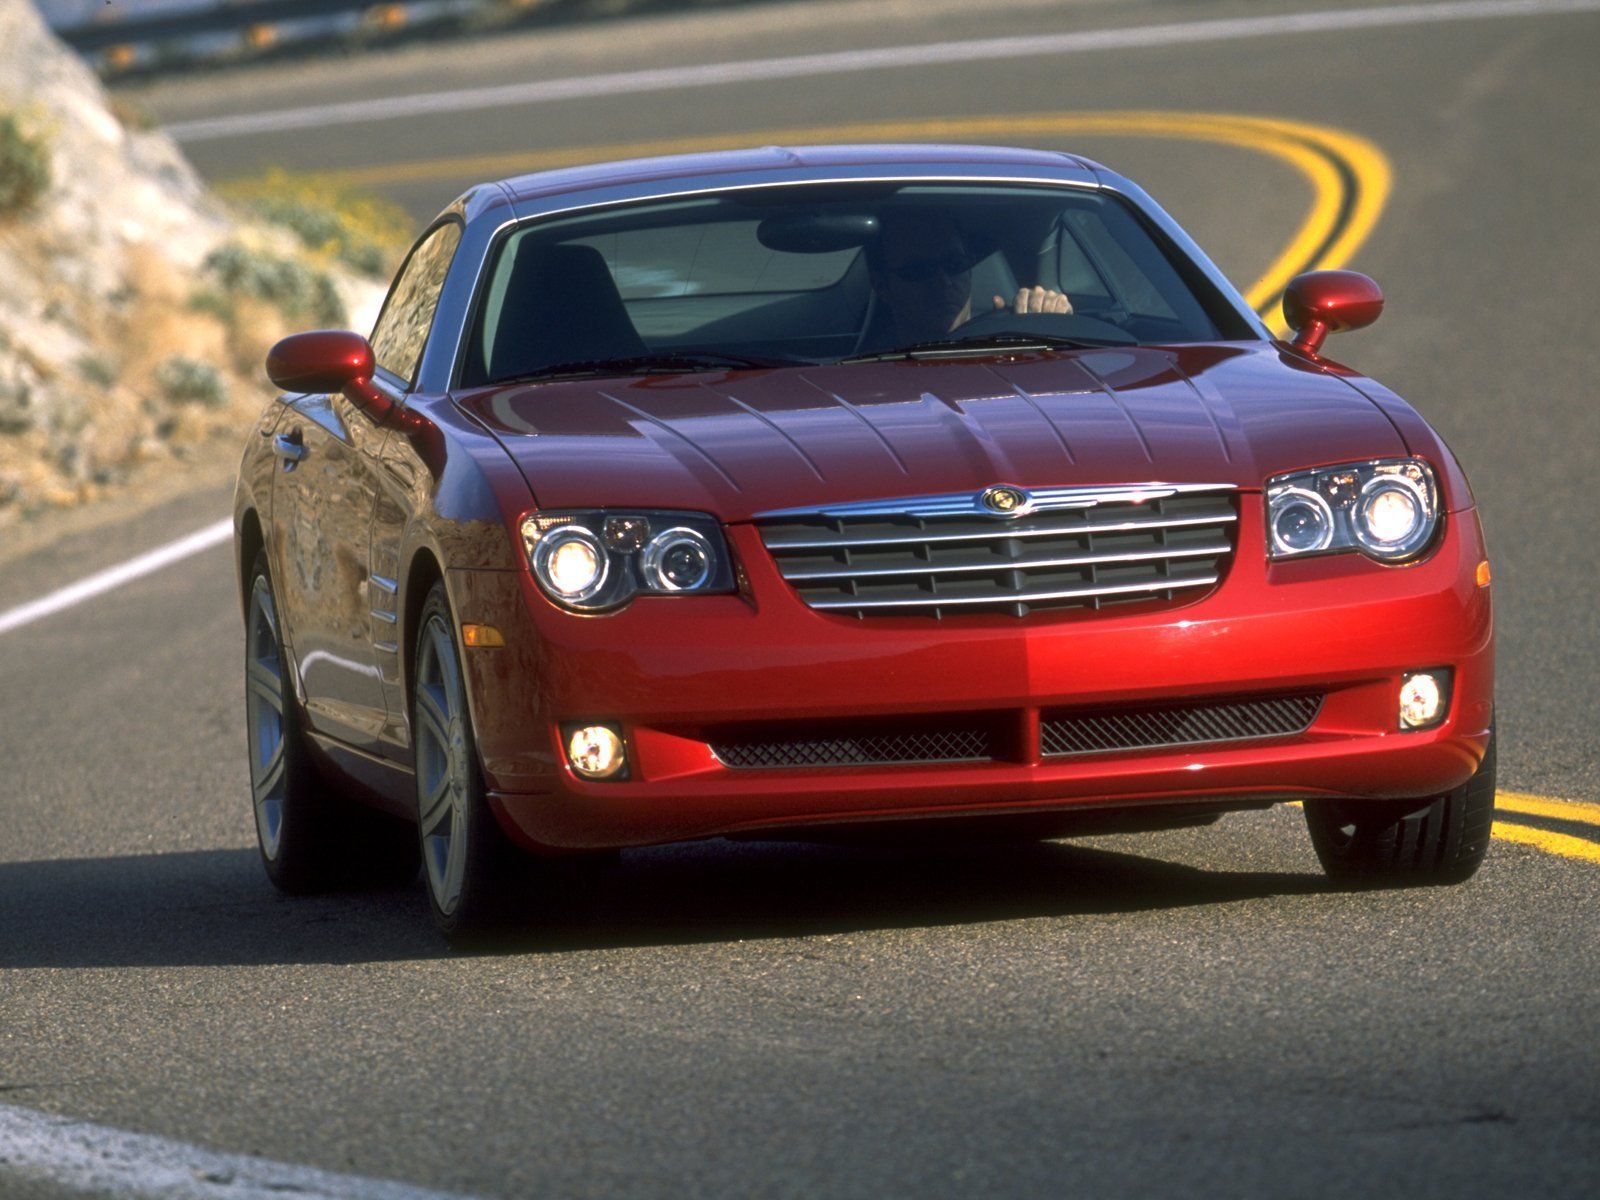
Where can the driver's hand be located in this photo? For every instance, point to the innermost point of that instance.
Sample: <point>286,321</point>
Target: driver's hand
<point>1035,300</point>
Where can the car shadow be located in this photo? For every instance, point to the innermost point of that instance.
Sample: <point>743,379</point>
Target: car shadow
<point>214,907</point>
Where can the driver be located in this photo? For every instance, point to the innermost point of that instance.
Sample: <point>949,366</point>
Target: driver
<point>921,272</point>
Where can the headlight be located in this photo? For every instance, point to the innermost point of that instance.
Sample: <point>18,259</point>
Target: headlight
<point>1388,509</point>
<point>597,559</point>
<point>678,560</point>
<point>1302,522</point>
<point>571,563</point>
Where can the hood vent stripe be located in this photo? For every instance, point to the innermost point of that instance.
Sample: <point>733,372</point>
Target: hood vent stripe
<point>855,411</point>
<point>687,441</point>
<point>779,430</point>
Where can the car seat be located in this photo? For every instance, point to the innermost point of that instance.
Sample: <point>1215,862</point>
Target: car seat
<point>561,305</point>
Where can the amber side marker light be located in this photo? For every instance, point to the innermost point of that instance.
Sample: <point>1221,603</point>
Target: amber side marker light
<point>1483,573</point>
<point>482,637</point>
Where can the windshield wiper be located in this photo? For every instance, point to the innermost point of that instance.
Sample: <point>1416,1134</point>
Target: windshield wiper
<point>981,343</point>
<point>675,363</point>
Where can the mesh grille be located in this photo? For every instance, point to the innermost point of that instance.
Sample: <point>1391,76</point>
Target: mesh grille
<point>903,564</point>
<point>1178,724</point>
<point>850,748</point>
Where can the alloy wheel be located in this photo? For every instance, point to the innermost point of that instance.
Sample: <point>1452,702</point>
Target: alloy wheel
<point>264,712</point>
<point>443,764</point>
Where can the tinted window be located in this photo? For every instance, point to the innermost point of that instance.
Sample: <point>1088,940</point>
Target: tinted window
<point>803,275</point>
<point>717,258</point>
<point>402,329</point>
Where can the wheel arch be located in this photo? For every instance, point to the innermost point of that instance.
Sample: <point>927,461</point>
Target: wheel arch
<point>249,542</point>
<point>422,572</point>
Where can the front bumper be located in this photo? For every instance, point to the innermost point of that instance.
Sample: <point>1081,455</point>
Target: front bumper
<point>671,671</point>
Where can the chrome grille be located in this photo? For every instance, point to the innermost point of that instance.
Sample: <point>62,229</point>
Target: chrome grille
<point>1063,548</point>
<point>1177,724</point>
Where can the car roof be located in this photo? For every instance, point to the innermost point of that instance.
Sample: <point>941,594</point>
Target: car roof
<point>859,159</point>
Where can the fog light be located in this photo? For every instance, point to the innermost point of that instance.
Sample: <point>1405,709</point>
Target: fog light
<point>595,751</point>
<point>1422,700</point>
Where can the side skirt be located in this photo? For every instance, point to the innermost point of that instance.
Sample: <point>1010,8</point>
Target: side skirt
<point>375,782</point>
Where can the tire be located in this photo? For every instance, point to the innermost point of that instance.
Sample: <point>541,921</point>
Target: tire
<point>470,868</point>
<point>479,883</point>
<point>1441,840</point>
<point>311,838</point>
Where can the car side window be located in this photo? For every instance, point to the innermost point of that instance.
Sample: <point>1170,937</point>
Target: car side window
<point>402,328</point>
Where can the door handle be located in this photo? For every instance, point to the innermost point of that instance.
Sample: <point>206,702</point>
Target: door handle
<point>289,448</point>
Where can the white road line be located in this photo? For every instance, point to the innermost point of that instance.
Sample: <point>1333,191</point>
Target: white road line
<point>77,1156</point>
<point>114,577</point>
<point>620,83</point>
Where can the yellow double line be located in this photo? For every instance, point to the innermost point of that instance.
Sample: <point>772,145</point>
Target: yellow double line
<point>1349,178</point>
<point>1510,806</point>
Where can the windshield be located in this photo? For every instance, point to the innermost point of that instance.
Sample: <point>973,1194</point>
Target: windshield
<point>816,274</point>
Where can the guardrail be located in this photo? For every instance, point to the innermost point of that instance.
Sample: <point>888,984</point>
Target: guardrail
<point>120,36</point>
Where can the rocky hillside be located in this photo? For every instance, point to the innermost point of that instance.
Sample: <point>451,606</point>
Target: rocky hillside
<point>136,307</point>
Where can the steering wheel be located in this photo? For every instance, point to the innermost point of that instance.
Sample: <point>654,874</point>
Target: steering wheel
<point>1062,325</point>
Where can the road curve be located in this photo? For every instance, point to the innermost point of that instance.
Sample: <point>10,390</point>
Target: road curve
<point>1187,1013</point>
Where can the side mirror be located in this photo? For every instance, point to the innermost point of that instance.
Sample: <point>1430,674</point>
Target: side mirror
<point>1322,302</point>
<point>329,360</point>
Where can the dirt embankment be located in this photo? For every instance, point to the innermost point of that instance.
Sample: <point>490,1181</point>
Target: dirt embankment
<point>135,306</point>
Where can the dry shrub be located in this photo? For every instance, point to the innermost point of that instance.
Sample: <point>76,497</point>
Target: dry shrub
<point>157,323</point>
<point>364,232</point>
<point>24,164</point>
<point>293,287</point>
<point>256,326</point>
<point>190,381</point>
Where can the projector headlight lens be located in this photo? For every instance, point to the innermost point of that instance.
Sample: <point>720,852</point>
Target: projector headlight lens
<point>571,564</point>
<point>1387,508</point>
<point>1392,517</point>
<point>678,560</point>
<point>1301,522</point>
<point>594,560</point>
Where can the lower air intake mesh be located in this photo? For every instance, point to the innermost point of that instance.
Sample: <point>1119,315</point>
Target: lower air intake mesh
<point>846,747</point>
<point>1177,724</point>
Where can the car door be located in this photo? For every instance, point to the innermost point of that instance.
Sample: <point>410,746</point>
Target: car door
<point>324,493</point>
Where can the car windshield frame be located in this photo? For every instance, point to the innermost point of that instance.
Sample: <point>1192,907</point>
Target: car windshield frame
<point>1201,281</point>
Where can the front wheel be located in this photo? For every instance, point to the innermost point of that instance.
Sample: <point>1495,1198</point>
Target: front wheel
<point>478,881</point>
<point>1437,840</point>
<point>470,866</point>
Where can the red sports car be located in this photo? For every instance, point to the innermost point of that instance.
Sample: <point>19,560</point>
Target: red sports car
<point>845,491</point>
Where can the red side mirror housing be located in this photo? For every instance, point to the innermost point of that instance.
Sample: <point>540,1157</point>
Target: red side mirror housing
<point>329,360</point>
<point>1322,302</point>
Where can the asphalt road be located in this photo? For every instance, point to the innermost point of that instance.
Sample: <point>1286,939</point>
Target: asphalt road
<point>1192,1013</point>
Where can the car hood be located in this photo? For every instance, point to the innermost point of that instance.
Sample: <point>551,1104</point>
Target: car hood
<point>745,442</point>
